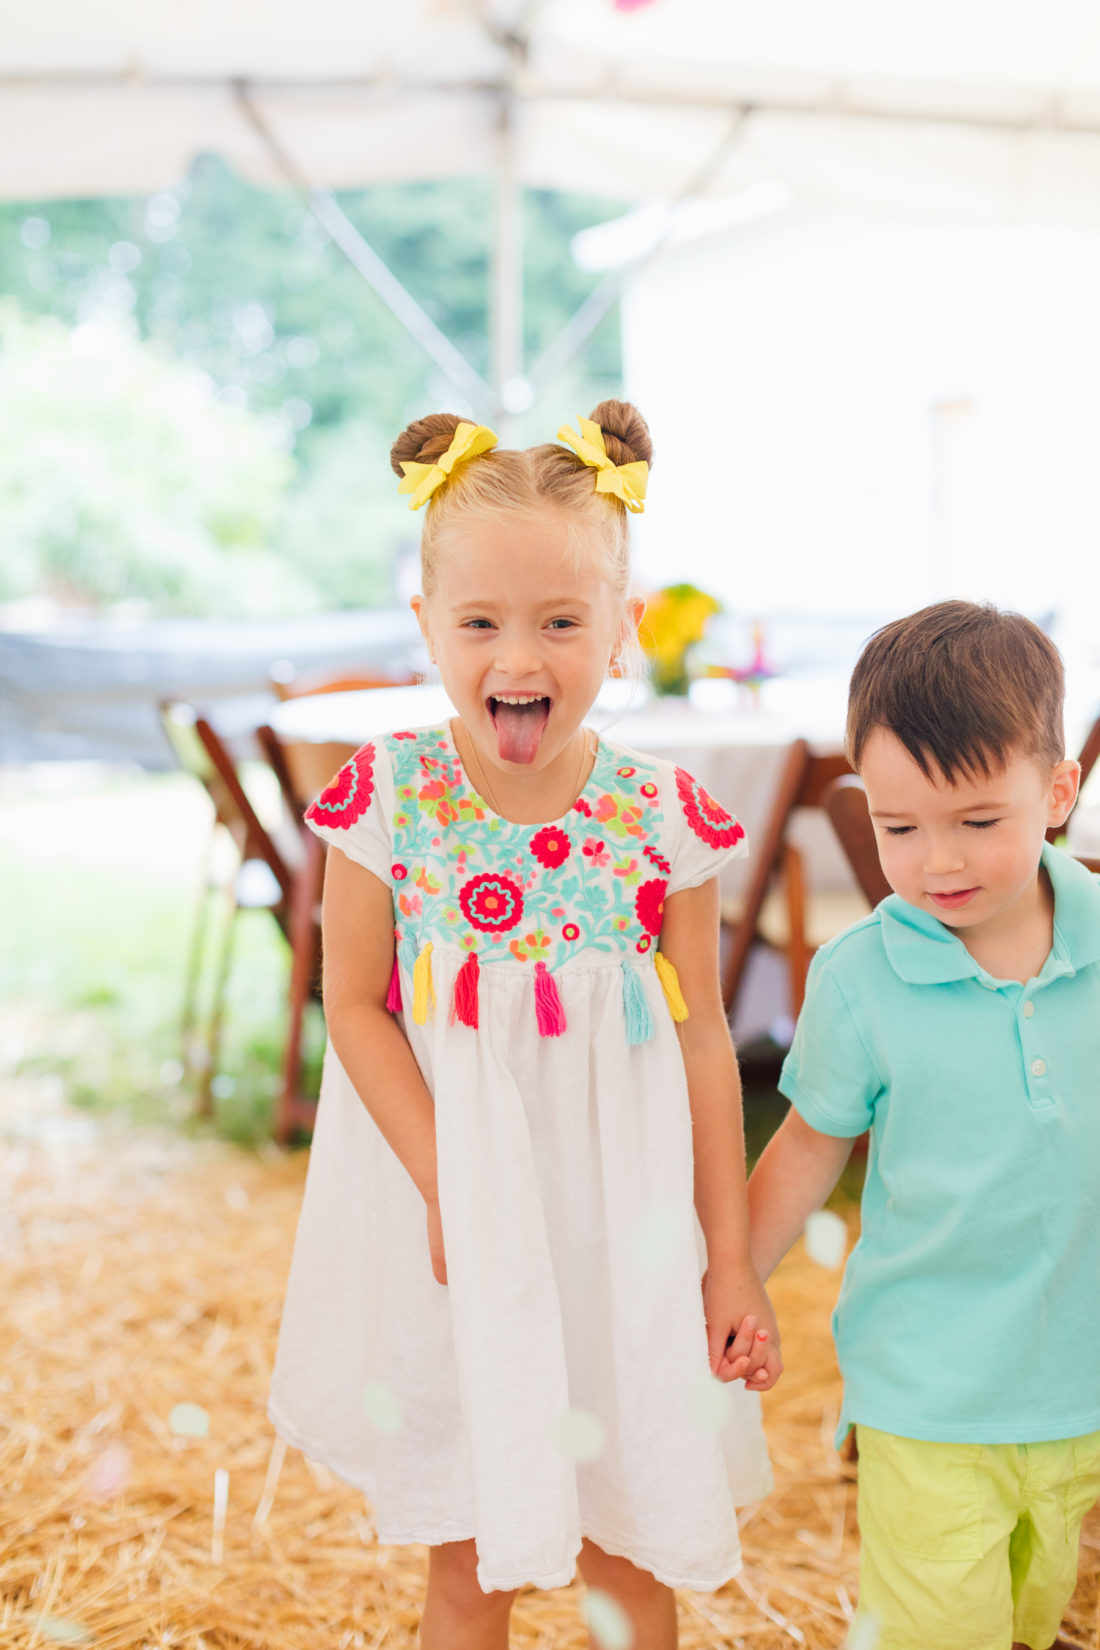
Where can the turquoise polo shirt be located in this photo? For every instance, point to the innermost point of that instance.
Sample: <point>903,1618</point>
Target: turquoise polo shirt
<point>970,1307</point>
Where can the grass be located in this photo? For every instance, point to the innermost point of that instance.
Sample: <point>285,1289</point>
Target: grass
<point>92,973</point>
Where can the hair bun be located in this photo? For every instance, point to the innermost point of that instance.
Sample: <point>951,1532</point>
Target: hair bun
<point>425,440</point>
<point>625,432</point>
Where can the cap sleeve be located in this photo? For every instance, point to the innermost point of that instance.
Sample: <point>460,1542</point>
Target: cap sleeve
<point>704,836</point>
<point>828,1075</point>
<point>354,812</point>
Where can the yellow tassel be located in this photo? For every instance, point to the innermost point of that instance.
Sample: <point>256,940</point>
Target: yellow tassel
<point>423,989</point>
<point>670,984</point>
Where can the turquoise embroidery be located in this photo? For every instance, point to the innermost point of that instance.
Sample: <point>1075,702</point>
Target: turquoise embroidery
<point>537,893</point>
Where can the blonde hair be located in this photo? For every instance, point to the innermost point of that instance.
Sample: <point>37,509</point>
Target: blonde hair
<point>529,481</point>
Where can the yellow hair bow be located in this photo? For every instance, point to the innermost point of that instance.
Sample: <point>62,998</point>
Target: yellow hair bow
<point>421,480</point>
<point>626,481</point>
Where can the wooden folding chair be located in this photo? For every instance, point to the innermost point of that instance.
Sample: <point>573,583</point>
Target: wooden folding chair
<point>779,908</point>
<point>287,683</point>
<point>845,802</point>
<point>264,878</point>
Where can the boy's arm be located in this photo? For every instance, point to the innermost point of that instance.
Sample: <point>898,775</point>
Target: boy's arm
<point>733,1295</point>
<point>797,1171</point>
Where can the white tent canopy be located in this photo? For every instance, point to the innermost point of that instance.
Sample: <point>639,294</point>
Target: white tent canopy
<point>967,108</point>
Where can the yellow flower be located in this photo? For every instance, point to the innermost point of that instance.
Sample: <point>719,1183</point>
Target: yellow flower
<point>675,619</point>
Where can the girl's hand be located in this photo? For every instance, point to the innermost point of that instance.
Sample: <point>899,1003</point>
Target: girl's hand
<point>742,1334</point>
<point>435,1243</point>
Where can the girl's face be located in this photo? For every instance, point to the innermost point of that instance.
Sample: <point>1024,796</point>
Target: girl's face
<point>523,625</point>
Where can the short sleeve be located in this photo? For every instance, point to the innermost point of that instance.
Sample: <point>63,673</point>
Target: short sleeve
<point>704,837</point>
<point>828,1075</point>
<point>354,811</point>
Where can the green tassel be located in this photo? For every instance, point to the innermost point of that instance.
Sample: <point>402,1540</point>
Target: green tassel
<point>639,1020</point>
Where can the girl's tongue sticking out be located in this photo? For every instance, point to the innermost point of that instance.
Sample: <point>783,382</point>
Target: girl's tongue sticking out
<point>519,721</point>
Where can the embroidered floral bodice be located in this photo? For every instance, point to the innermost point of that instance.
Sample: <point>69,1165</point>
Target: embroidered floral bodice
<point>462,876</point>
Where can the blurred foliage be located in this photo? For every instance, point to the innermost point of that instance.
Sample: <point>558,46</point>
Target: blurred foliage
<point>287,348</point>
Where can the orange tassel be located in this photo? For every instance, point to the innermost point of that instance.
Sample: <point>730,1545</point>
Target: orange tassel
<point>548,1010</point>
<point>464,1000</point>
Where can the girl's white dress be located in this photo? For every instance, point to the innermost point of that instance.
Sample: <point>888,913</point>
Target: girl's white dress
<point>558,1386</point>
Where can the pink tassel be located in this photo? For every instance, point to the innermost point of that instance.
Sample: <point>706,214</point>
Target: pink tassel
<point>393,995</point>
<point>548,1010</point>
<point>464,1001</point>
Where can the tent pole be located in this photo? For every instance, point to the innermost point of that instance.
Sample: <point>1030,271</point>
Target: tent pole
<point>512,391</point>
<point>377,274</point>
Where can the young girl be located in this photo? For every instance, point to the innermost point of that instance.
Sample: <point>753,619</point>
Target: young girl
<point>494,1322</point>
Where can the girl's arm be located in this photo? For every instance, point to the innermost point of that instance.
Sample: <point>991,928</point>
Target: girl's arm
<point>734,1298</point>
<point>796,1172</point>
<point>357,938</point>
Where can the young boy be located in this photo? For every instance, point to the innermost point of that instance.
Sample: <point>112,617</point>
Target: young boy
<point>960,1023</point>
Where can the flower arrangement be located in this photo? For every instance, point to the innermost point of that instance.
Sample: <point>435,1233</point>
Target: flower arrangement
<point>675,619</point>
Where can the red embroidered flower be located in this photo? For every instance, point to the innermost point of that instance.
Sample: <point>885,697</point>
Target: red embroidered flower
<point>551,847</point>
<point>649,904</point>
<point>644,944</point>
<point>648,791</point>
<point>656,859</point>
<point>570,932</point>
<point>404,736</point>
<point>348,797</point>
<point>491,903</point>
<point>583,807</point>
<point>711,823</point>
<point>399,872</point>
<point>626,773</point>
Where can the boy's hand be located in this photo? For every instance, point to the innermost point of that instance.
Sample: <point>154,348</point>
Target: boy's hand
<point>742,1334</point>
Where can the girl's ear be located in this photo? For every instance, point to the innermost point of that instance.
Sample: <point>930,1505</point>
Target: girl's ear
<point>1064,783</point>
<point>419,606</point>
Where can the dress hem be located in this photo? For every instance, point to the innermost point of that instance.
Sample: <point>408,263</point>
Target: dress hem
<point>423,1535</point>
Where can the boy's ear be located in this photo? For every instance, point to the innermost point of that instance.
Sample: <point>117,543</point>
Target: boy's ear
<point>1064,783</point>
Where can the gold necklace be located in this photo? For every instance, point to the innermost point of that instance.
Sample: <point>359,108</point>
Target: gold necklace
<point>486,790</point>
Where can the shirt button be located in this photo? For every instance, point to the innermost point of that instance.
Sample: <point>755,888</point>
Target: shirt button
<point>1038,1067</point>
<point>1029,1009</point>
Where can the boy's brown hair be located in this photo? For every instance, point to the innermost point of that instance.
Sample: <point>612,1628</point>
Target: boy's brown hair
<point>961,685</point>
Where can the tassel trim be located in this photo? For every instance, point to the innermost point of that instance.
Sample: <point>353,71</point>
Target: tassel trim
<point>423,989</point>
<point>548,1010</point>
<point>636,1010</point>
<point>393,995</point>
<point>670,984</point>
<point>464,998</point>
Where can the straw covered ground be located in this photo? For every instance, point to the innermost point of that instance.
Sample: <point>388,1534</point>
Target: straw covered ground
<point>144,1272</point>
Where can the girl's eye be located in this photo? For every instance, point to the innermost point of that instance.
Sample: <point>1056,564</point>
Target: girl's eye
<point>981,824</point>
<point>562,624</point>
<point>478,624</point>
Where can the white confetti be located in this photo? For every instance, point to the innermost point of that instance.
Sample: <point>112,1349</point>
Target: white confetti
<point>607,1621</point>
<point>864,1634</point>
<point>383,1410</point>
<point>579,1435</point>
<point>109,1473</point>
<point>826,1239</point>
<point>711,1404</point>
<point>189,1421</point>
<point>60,1631</point>
<point>221,1507</point>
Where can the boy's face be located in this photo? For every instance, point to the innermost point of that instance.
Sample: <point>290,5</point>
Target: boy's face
<point>968,852</point>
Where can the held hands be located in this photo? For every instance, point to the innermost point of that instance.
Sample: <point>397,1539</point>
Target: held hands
<point>742,1334</point>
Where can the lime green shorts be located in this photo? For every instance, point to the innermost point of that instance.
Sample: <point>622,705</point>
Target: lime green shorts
<point>970,1546</point>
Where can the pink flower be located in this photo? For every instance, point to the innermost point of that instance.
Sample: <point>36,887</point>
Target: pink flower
<point>399,872</point>
<point>594,850</point>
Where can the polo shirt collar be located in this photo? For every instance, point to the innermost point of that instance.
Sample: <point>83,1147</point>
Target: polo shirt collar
<point>924,951</point>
